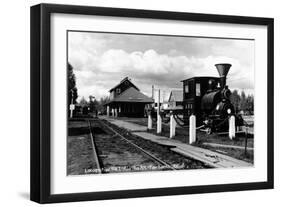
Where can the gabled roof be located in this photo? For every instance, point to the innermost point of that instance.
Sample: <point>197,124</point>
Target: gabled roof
<point>132,95</point>
<point>177,95</point>
<point>121,82</point>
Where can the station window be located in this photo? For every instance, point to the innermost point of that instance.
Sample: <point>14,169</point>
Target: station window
<point>198,89</point>
<point>186,88</point>
<point>118,91</point>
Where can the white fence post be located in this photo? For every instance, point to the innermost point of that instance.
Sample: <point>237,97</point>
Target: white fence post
<point>149,121</point>
<point>71,108</point>
<point>107,110</point>
<point>112,112</point>
<point>116,112</point>
<point>192,129</point>
<point>231,127</point>
<point>172,125</point>
<point>159,124</point>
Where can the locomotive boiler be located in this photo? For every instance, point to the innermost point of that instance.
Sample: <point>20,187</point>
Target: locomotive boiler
<point>208,98</point>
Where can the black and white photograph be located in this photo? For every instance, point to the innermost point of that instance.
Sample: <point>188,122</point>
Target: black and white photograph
<point>133,103</point>
<point>151,102</point>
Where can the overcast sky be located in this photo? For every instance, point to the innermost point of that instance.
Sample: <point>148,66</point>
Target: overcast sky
<point>102,60</point>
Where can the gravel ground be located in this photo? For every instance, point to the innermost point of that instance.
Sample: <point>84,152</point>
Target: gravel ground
<point>79,149</point>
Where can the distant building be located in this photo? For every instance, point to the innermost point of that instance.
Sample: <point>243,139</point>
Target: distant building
<point>127,100</point>
<point>175,100</point>
<point>165,105</point>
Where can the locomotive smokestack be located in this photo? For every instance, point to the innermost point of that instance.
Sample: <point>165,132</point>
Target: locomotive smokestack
<point>223,69</point>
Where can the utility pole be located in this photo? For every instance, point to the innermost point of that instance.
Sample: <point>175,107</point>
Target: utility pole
<point>159,119</point>
<point>152,92</point>
<point>92,104</point>
<point>158,103</point>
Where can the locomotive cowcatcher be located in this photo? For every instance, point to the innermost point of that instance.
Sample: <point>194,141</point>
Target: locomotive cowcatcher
<point>208,98</point>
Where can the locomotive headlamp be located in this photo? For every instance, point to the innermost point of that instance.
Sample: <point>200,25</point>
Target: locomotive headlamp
<point>212,84</point>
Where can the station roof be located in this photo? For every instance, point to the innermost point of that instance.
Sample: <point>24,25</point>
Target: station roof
<point>123,81</point>
<point>132,95</point>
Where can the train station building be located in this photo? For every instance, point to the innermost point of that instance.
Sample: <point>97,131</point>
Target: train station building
<point>126,100</point>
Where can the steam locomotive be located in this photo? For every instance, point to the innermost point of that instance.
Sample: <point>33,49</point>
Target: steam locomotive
<point>208,98</point>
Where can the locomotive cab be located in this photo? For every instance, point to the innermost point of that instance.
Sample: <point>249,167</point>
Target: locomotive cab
<point>194,89</point>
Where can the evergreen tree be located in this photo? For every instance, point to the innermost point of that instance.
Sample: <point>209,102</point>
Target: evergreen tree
<point>250,104</point>
<point>101,102</point>
<point>243,102</point>
<point>71,90</point>
<point>83,101</point>
<point>235,100</point>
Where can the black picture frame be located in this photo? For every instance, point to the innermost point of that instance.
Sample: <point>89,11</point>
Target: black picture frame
<point>40,102</point>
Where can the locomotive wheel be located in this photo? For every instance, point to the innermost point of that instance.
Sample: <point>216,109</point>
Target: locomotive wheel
<point>209,131</point>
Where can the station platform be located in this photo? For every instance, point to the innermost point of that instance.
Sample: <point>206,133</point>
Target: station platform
<point>209,157</point>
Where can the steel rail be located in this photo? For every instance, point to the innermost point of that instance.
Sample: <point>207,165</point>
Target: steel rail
<point>95,152</point>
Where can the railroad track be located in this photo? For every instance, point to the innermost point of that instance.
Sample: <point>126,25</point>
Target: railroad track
<point>141,149</point>
<point>95,151</point>
<point>138,148</point>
